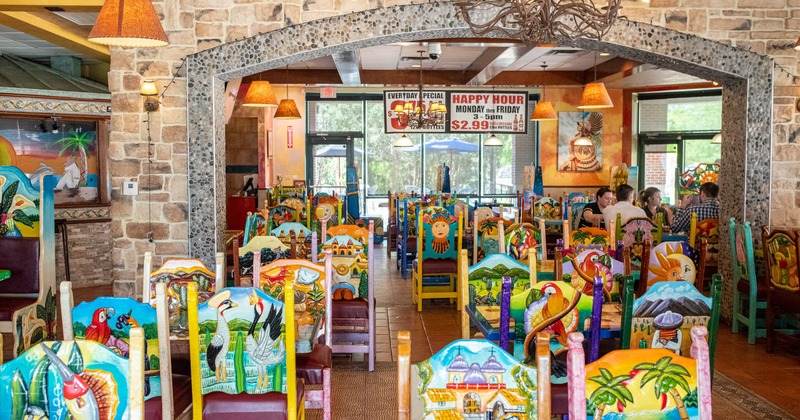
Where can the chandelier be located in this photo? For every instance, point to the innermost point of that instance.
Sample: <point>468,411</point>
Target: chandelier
<point>414,115</point>
<point>540,21</point>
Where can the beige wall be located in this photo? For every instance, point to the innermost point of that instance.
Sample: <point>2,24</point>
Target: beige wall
<point>290,162</point>
<point>764,26</point>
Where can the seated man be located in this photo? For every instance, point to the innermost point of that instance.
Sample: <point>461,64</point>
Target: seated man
<point>624,207</point>
<point>707,209</point>
<point>592,215</point>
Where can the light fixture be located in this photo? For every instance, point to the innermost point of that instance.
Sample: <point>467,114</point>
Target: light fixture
<point>717,139</point>
<point>415,116</point>
<point>150,92</point>
<point>403,141</point>
<point>259,94</point>
<point>128,24</point>
<point>544,109</point>
<point>287,109</point>
<point>55,126</point>
<point>797,44</point>
<point>595,95</point>
<point>492,141</point>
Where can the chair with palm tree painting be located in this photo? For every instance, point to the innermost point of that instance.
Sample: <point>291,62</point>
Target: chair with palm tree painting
<point>629,383</point>
<point>588,237</point>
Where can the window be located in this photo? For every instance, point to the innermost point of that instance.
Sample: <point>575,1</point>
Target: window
<point>459,152</point>
<point>498,169</point>
<point>389,168</point>
<point>335,116</point>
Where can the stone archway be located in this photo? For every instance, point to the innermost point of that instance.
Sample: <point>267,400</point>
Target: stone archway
<point>746,77</point>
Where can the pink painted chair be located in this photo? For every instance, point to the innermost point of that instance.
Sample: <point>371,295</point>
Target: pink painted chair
<point>629,382</point>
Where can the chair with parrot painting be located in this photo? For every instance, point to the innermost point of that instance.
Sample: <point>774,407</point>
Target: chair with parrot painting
<point>110,320</point>
<point>783,286</point>
<point>749,291</point>
<point>651,383</point>
<point>580,270</point>
<point>80,379</point>
<point>242,359</point>
<point>522,241</point>
<point>435,270</point>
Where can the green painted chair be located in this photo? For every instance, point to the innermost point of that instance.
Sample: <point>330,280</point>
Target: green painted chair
<point>748,292</point>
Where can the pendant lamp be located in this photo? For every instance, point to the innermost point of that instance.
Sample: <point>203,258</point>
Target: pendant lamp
<point>595,95</point>
<point>717,139</point>
<point>544,109</point>
<point>492,141</point>
<point>403,141</point>
<point>128,24</point>
<point>287,109</point>
<point>259,94</point>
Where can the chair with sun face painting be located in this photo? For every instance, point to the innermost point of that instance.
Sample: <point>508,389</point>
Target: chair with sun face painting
<point>110,320</point>
<point>81,379</point>
<point>748,291</point>
<point>472,379</point>
<point>435,270</point>
<point>674,261</point>
<point>783,287</point>
<point>327,210</point>
<point>641,383</point>
<point>243,362</point>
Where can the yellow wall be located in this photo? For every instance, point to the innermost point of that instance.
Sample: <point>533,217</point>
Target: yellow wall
<point>289,162</point>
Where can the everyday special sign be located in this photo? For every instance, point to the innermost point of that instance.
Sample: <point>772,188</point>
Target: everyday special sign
<point>467,112</point>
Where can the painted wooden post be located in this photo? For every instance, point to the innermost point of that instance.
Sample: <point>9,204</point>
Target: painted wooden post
<point>147,268</point>
<point>565,233</point>
<point>463,290</point>
<point>597,318</point>
<point>612,230</point>
<point>66,310</point>
<point>542,376</point>
<point>700,353</point>
<point>256,269</point>
<point>505,311</point>
<point>543,234</point>
<point>501,236</point>
<point>291,365</point>
<point>220,282</point>
<point>136,387</point>
<point>576,372</point>
<point>314,248</point>
<point>164,351</point>
<point>194,351</point>
<point>404,375</point>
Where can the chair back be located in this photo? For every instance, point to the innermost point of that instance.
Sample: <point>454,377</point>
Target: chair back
<point>707,229</point>
<point>361,234</point>
<point>226,355</point>
<point>279,215</point>
<point>588,236</point>
<point>441,238</point>
<point>579,270</point>
<point>641,383</point>
<point>254,225</point>
<point>780,254</point>
<point>40,383</point>
<point>350,261</point>
<point>635,232</point>
<point>297,232</point>
<point>522,241</point>
<point>675,261</point>
<point>744,265</point>
<point>548,209</point>
<point>691,179</point>
<point>271,249</point>
<point>326,210</point>
<point>574,214</point>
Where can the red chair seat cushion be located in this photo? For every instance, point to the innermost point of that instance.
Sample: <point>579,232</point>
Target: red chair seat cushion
<point>355,308</point>
<point>744,288</point>
<point>559,399</point>
<point>272,405</point>
<point>311,365</point>
<point>181,398</point>
<point>434,267</point>
<point>21,257</point>
<point>10,304</point>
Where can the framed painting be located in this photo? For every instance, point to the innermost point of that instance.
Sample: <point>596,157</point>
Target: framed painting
<point>71,148</point>
<point>580,140</point>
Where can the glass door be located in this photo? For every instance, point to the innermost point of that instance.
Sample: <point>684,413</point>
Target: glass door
<point>659,167</point>
<point>327,163</point>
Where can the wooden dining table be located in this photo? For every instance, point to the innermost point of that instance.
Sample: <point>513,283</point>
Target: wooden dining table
<point>610,321</point>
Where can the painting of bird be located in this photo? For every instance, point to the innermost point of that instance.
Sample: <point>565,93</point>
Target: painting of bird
<point>266,350</point>
<point>218,348</point>
<point>99,330</point>
<point>79,397</point>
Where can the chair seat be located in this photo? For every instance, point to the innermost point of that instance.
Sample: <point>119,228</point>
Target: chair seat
<point>789,302</point>
<point>744,288</point>
<point>434,267</point>
<point>11,304</point>
<point>559,399</point>
<point>354,308</point>
<point>181,398</point>
<point>272,405</point>
<point>311,365</point>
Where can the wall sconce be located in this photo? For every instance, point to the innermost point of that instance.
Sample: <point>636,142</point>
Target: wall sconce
<point>150,92</point>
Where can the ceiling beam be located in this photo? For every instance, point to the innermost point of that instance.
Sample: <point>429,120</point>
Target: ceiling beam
<point>39,5</point>
<point>34,25</point>
<point>508,57</point>
<point>347,66</point>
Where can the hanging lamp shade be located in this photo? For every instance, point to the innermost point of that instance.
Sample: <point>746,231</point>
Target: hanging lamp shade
<point>128,24</point>
<point>287,110</point>
<point>544,112</point>
<point>492,141</point>
<point>259,94</point>
<point>717,139</point>
<point>595,96</point>
<point>403,141</point>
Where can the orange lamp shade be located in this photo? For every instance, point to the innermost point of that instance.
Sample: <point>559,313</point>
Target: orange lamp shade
<point>128,24</point>
<point>287,110</point>
<point>595,96</point>
<point>544,112</point>
<point>259,94</point>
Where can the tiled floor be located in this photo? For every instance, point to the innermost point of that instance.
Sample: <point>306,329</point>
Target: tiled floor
<point>774,376</point>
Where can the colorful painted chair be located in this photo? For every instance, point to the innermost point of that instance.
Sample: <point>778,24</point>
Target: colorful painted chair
<point>580,270</point>
<point>296,236</point>
<point>110,320</point>
<point>309,283</point>
<point>707,230</point>
<point>522,241</point>
<point>663,316</point>
<point>81,379</point>
<point>279,215</point>
<point>488,236</point>
<point>407,235</point>
<point>748,291</point>
<point>242,367</point>
<point>27,238</point>
<point>588,237</point>
<point>675,260</point>
<point>435,270</point>
<point>783,289</point>
<point>271,248</point>
<point>472,379</point>
<point>655,383</point>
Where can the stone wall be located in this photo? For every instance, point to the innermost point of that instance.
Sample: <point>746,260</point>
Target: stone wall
<point>763,26</point>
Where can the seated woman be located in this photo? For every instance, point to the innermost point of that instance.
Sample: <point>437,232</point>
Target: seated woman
<point>650,201</point>
<point>592,215</point>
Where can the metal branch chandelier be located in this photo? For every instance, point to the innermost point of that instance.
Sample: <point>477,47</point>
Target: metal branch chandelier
<point>538,21</point>
<point>415,116</point>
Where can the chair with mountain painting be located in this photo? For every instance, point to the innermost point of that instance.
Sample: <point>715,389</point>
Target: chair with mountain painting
<point>435,270</point>
<point>663,316</point>
<point>675,261</point>
<point>748,291</point>
<point>579,270</point>
<point>271,249</point>
<point>81,379</point>
<point>27,240</point>
<point>641,383</point>
<point>783,287</point>
<point>243,365</point>
<point>110,320</point>
<point>472,379</point>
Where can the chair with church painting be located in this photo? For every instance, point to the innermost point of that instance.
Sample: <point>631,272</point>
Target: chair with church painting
<point>109,320</point>
<point>297,237</point>
<point>783,286</point>
<point>472,379</point>
<point>674,261</point>
<point>652,383</point>
<point>435,270</point>
<point>663,316</point>
<point>242,357</point>
<point>749,292</point>
<point>74,379</point>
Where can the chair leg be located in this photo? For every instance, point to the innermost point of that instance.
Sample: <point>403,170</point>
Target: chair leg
<point>770,327</point>
<point>752,315</point>
<point>419,292</point>
<point>326,394</point>
<point>737,304</point>
<point>371,354</point>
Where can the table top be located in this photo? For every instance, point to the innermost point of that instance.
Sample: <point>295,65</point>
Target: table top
<point>491,313</point>
<point>5,274</point>
<point>611,319</point>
